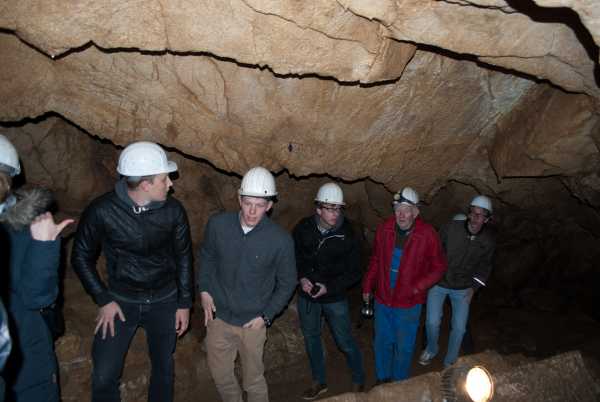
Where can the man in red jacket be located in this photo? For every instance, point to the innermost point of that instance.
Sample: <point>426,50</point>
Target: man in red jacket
<point>407,260</point>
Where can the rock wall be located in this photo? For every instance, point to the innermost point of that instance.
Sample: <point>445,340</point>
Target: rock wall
<point>450,97</point>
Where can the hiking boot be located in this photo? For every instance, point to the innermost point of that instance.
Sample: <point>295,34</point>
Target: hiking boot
<point>358,387</point>
<point>314,391</point>
<point>426,358</point>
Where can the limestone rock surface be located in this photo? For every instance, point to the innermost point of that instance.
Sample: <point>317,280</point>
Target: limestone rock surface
<point>587,10</point>
<point>289,37</point>
<point>545,49</point>
<point>237,117</point>
<point>349,40</point>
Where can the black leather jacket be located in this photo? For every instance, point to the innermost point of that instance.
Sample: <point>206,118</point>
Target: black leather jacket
<point>148,254</point>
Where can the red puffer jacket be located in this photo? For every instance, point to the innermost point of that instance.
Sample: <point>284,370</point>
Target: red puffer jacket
<point>422,265</point>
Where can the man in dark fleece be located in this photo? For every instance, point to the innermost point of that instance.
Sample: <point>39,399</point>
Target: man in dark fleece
<point>328,262</point>
<point>247,274</point>
<point>469,247</point>
<point>145,236</point>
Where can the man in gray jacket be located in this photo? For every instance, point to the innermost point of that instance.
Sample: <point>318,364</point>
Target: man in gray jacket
<point>469,247</point>
<point>246,276</point>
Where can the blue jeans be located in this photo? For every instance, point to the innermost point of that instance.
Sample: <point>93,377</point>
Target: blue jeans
<point>108,355</point>
<point>337,315</point>
<point>460,314</point>
<point>395,335</point>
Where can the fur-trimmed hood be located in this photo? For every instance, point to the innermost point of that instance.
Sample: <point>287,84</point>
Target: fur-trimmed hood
<point>26,205</point>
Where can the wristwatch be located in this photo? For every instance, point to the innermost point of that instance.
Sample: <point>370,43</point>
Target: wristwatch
<point>266,320</point>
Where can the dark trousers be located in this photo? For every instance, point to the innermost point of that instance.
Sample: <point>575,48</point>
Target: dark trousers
<point>108,355</point>
<point>337,315</point>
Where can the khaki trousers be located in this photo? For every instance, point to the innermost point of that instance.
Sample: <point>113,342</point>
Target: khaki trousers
<point>223,343</point>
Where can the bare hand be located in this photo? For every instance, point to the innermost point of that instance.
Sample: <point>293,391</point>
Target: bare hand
<point>366,297</point>
<point>43,227</point>
<point>106,318</point>
<point>256,323</point>
<point>306,285</point>
<point>208,305</point>
<point>182,320</point>
<point>321,292</point>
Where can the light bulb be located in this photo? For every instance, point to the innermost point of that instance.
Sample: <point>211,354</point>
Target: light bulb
<point>479,384</point>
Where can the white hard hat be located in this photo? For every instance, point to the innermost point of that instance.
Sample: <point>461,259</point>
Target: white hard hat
<point>9,157</point>
<point>144,158</point>
<point>258,182</point>
<point>406,196</point>
<point>459,217</point>
<point>482,201</point>
<point>330,193</point>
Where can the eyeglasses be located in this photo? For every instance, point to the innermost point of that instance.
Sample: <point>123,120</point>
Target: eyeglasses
<point>333,210</point>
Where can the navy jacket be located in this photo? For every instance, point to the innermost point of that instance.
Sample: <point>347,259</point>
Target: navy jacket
<point>32,285</point>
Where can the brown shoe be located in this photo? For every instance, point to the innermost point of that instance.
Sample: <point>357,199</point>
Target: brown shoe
<point>358,387</point>
<point>314,391</point>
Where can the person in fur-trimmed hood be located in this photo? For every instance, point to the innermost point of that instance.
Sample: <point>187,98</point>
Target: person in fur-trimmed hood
<point>30,241</point>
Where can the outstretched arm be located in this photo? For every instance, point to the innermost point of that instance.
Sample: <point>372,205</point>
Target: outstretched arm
<point>38,283</point>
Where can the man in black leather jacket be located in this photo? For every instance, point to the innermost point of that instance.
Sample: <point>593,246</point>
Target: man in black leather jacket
<point>328,262</point>
<point>145,236</point>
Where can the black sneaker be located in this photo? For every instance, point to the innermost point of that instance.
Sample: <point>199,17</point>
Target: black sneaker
<point>314,391</point>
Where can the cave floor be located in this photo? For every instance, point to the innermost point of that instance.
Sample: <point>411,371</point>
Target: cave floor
<point>524,333</point>
<point>519,332</point>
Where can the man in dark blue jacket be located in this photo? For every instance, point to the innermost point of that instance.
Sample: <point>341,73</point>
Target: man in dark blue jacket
<point>328,262</point>
<point>30,241</point>
<point>246,277</point>
<point>145,236</point>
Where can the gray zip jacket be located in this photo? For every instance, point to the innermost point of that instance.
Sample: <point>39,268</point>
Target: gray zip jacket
<point>247,275</point>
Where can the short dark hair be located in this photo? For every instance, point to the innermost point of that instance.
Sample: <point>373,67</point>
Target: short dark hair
<point>133,182</point>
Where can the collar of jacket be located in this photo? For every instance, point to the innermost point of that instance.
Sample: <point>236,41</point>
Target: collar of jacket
<point>121,191</point>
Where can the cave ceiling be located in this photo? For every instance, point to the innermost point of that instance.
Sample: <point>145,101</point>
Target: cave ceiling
<point>403,92</point>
